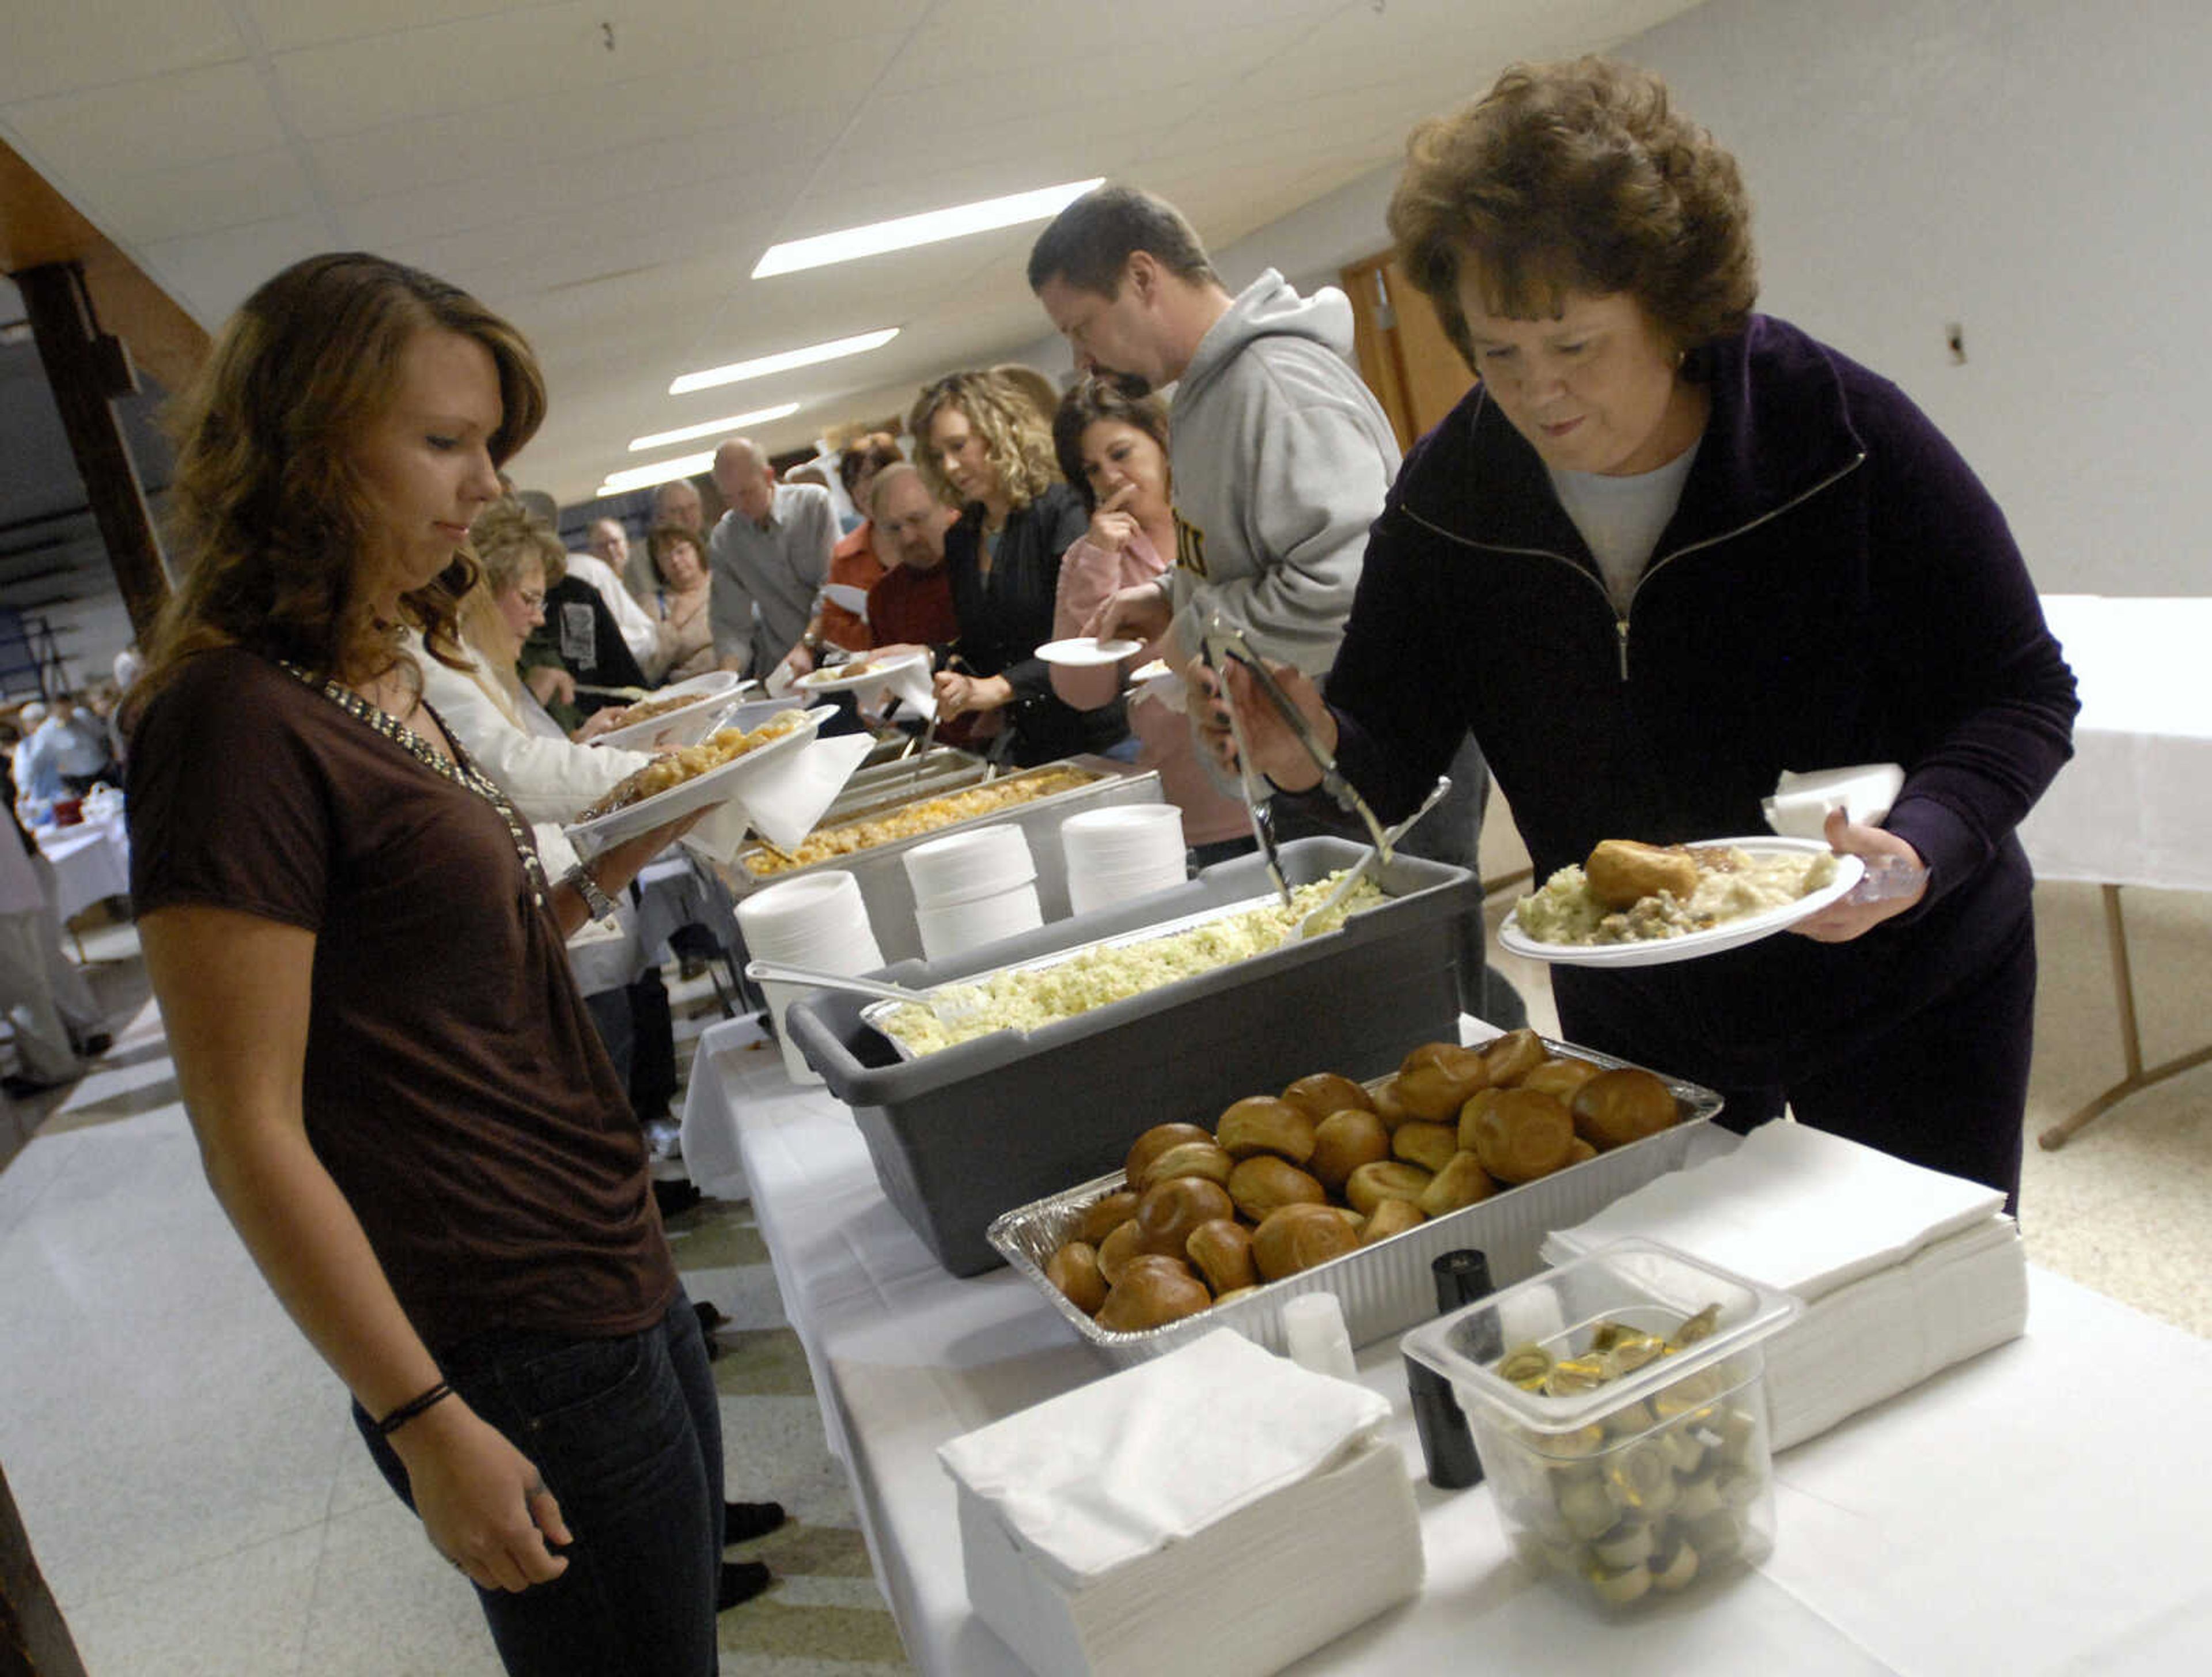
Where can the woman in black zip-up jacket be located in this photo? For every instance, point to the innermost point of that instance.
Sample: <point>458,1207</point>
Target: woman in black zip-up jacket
<point>1664,550</point>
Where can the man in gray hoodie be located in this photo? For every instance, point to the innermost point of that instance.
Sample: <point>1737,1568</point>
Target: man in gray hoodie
<point>1280,457</point>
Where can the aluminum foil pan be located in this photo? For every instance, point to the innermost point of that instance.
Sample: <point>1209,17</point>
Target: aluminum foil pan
<point>1388,1286</point>
<point>878,1013</point>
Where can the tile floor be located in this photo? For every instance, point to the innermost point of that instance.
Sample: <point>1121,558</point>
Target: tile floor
<point>199,1505</point>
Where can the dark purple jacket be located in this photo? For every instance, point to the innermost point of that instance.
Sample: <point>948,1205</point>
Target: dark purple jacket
<point>1835,587</point>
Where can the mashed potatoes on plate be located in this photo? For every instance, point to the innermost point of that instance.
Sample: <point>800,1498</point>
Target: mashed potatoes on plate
<point>1732,885</point>
<point>1024,999</point>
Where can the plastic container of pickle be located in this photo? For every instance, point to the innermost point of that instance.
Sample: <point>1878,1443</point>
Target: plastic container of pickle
<point>1618,1405</point>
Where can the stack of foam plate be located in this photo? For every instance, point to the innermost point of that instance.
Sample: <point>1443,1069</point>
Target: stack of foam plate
<point>1115,855</point>
<point>973,888</point>
<point>818,921</point>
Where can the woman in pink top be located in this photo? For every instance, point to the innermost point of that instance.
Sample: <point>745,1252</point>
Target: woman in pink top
<point>1113,447</point>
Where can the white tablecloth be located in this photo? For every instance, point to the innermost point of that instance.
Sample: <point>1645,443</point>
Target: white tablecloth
<point>2007,1516</point>
<point>2135,805</point>
<point>91,860</point>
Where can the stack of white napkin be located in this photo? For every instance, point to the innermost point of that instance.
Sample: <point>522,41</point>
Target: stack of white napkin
<point>1903,1270</point>
<point>1216,1509</point>
<point>1802,803</point>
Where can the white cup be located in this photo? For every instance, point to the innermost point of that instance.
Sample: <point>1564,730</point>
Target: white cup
<point>818,921</point>
<point>1128,851</point>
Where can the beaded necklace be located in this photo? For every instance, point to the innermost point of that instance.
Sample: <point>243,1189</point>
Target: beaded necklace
<point>459,769</point>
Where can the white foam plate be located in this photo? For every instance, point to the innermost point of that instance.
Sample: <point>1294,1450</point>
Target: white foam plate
<point>687,723</point>
<point>876,675</point>
<point>716,785</point>
<point>1729,934</point>
<point>1086,652</point>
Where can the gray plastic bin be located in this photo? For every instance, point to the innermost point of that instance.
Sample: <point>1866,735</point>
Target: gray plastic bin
<point>961,1136</point>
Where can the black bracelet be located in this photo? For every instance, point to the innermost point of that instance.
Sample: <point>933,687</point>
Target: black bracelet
<point>409,1410</point>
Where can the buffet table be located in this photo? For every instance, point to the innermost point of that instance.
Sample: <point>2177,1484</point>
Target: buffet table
<point>2002,1517</point>
<point>91,861</point>
<point>2135,805</point>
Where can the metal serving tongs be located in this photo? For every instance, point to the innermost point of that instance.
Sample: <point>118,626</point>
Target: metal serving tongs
<point>953,1003</point>
<point>1256,801</point>
<point>1226,643</point>
<point>1312,923</point>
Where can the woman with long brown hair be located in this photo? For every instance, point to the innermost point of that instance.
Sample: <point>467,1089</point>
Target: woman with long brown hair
<point>398,1093</point>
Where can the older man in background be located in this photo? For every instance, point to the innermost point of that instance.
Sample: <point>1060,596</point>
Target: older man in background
<point>768,559</point>
<point>911,605</point>
<point>678,502</point>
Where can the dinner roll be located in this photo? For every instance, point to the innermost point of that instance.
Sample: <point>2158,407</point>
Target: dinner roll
<point>1392,1217</point>
<point>1074,1270</point>
<point>1154,1142</point>
<point>1523,1134</point>
<point>1320,1093</point>
<point>1189,1158</point>
<point>1296,1237</point>
<point>1625,1104</point>
<point>1390,1179</point>
<point>1621,870</point>
<point>1435,1078</point>
<point>1171,1209</point>
<point>1343,1142</point>
<point>1263,1183</point>
<point>1428,1146</point>
<point>1106,1215</point>
<point>1462,1182</point>
<point>1221,1251</point>
<point>1560,1077</point>
<point>1513,1056</point>
<point>1153,1291</point>
<point>1261,1124</point>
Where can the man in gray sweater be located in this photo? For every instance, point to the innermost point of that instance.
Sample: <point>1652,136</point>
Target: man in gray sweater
<point>1280,457</point>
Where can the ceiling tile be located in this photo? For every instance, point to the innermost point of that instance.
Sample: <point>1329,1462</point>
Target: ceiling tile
<point>203,198</point>
<point>63,46</point>
<point>190,117</point>
<point>211,273</point>
<point>364,84</point>
<point>285,25</point>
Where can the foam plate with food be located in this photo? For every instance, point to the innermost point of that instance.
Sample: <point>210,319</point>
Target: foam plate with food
<point>860,672</point>
<point>1084,652</point>
<point>1747,889</point>
<point>681,714</point>
<point>698,776</point>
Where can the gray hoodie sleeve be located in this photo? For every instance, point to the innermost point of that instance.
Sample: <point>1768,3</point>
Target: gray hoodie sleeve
<point>1317,483</point>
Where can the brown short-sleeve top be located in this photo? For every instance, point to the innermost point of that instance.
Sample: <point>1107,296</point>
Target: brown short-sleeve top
<point>454,1086</point>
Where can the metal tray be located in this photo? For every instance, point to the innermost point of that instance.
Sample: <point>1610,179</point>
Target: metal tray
<point>1386,1287</point>
<point>877,1013</point>
<point>881,872</point>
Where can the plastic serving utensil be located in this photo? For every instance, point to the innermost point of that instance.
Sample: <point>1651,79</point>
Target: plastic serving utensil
<point>944,1001</point>
<point>1256,801</point>
<point>1375,858</point>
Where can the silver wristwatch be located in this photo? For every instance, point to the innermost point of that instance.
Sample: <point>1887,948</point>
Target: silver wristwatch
<point>597,903</point>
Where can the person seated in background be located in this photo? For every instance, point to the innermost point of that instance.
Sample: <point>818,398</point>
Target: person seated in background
<point>768,557</point>
<point>605,576</point>
<point>576,647</point>
<point>854,567</point>
<point>677,502</point>
<point>1113,448</point>
<point>683,645</point>
<point>985,449</point>
<point>912,606</point>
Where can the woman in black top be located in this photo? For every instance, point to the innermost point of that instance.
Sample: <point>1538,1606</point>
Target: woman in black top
<point>982,449</point>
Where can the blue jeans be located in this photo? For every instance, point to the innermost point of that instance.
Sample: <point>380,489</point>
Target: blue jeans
<point>627,1436</point>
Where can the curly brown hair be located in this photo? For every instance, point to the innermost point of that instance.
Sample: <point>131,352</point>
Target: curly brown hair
<point>269,517</point>
<point>864,455</point>
<point>1576,176</point>
<point>1093,399</point>
<point>1015,440</point>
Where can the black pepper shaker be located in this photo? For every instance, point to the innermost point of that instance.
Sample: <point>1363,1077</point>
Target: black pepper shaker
<point>1462,1278</point>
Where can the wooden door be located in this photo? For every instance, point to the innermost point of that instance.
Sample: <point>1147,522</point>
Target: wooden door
<point>1403,353</point>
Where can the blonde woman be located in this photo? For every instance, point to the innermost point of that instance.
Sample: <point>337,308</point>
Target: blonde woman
<point>985,449</point>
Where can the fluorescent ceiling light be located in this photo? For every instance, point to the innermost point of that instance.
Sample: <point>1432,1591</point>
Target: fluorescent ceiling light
<point>927,229</point>
<point>783,362</point>
<point>736,421</point>
<point>661,471</point>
